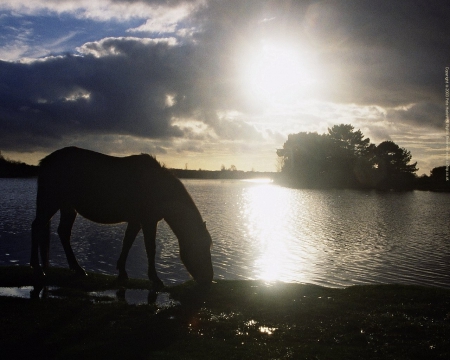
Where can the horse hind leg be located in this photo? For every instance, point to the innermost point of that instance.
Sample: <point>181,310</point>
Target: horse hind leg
<point>130,234</point>
<point>40,234</point>
<point>64,231</point>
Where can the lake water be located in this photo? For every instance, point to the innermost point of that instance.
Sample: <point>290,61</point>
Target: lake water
<point>263,231</point>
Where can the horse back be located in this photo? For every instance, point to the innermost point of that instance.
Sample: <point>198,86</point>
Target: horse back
<point>101,187</point>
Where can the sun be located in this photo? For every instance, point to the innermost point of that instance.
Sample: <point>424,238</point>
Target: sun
<point>277,73</point>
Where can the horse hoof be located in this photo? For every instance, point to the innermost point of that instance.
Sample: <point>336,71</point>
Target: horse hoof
<point>80,273</point>
<point>157,285</point>
<point>152,296</point>
<point>203,287</point>
<point>38,274</point>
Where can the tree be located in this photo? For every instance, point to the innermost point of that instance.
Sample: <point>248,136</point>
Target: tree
<point>349,141</point>
<point>393,168</point>
<point>10,168</point>
<point>305,159</point>
<point>439,179</point>
<point>350,165</point>
<point>337,159</point>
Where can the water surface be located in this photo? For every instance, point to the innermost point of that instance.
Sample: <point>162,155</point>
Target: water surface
<point>263,231</point>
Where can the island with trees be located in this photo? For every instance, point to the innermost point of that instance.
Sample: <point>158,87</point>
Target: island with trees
<point>344,159</point>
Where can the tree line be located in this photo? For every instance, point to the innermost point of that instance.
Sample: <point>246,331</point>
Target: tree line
<point>17,169</point>
<point>343,158</point>
<point>11,169</point>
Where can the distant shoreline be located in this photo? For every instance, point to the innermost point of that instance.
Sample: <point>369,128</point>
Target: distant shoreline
<point>222,174</point>
<point>13,169</point>
<point>16,169</point>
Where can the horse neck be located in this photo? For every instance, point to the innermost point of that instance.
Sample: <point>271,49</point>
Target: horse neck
<point>184,219</point>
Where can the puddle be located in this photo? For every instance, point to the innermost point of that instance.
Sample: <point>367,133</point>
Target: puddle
<point>131,296</point>
<point>20,292</point>
<point>136,297</point>
<point>251,326</point>
<point>267,330</point>
<point>27,292</point>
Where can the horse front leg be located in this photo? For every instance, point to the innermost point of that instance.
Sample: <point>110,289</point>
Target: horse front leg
<point>149,230</point>
<point>130,234</point>
<point>40,237</point>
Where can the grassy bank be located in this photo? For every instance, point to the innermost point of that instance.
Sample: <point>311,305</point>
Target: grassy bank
<point>235,320</point>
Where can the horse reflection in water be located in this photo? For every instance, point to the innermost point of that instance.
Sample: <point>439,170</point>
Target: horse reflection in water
<point>106,189</point>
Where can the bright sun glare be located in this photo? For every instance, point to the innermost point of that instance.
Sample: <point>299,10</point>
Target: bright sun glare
<point>277,73</point>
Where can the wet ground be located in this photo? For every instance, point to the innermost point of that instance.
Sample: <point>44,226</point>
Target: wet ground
<point>94,318</point>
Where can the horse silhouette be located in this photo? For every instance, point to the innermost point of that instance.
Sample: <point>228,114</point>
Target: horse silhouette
<point>106,189</point>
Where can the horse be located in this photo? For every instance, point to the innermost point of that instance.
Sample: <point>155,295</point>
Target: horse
<point>105,189</point>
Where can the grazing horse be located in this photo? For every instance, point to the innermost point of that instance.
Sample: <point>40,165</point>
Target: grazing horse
<point>106,189</point>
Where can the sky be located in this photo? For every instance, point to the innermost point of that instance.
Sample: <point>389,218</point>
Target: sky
<point>209,83</point>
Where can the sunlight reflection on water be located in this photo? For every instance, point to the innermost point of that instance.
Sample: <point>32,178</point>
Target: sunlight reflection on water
<point>264,231</point>
<point>333,238</point>
<point>267,210</point>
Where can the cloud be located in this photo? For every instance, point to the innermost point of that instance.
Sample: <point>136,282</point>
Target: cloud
<point>422,114</point>
<point>122,93</point>
<point>190,147</point>
<point>19,36</point>
<point>164,20</point>
<point>121,46</point>
<point>123,86</point>
<point>393,52</point>
<point>103,10</point>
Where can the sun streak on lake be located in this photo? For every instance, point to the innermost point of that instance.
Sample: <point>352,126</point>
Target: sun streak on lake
<point>266,213</point>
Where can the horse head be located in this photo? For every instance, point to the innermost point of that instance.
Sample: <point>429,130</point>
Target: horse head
<point>194,240</point>
<point>196,256</point>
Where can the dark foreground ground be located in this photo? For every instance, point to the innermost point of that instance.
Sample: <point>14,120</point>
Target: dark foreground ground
<point>234,320</point>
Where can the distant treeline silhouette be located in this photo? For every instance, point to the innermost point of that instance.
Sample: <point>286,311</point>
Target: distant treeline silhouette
<point>343,158</point>
<point>221,174</point>
<point>12,169</point>
<point>17,169</point>
<point>437,181</point>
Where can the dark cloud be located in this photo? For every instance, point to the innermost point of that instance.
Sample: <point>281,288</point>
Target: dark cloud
<point>395,52</point>
<point>418,114</point>
<point>125,92</point>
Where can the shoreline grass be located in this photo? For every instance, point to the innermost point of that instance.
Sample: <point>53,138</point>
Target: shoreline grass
<point>234,320</point>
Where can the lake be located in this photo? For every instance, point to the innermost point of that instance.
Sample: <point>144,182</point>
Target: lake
<point>334,238</point>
